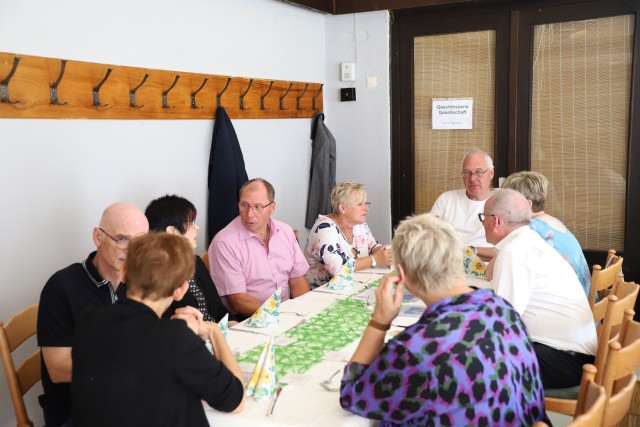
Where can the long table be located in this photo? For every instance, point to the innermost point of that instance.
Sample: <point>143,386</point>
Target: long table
<point>303,401</point>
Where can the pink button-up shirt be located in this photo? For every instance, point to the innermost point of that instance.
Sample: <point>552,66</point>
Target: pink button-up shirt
<point>241,263</point>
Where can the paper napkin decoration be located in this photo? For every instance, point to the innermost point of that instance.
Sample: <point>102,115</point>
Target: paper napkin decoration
<point>473,265</point>
<point>262,383</point>
<point>223,324</point>
<point>344,278</point>
<point>268,313</point>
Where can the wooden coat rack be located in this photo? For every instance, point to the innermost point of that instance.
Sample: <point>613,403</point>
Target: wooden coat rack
<point>38,87</point>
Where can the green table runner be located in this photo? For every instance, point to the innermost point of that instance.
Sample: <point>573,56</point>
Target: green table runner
<point>331,330</point>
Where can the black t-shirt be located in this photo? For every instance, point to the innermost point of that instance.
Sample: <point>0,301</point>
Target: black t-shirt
<point>131,368</point>
<point>66,294</point>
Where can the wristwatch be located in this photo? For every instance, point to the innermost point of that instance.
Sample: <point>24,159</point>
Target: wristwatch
<point>373,262</point>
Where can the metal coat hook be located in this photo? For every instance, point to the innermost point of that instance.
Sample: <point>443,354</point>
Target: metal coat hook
<point>300,97</point>
<point>262,107</point>
<point>223,91</point>
<point>4,86</point>
<point>165,102</point>
<point>96,90</point>
<point>193,95</point>
<point>53,89</point>
<point>313,101</point>
<point>283,96</point>
<point>243,95</point>
<point>132,92</point>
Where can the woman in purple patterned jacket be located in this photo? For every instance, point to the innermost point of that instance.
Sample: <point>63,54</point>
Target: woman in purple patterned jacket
<point>467,361</point>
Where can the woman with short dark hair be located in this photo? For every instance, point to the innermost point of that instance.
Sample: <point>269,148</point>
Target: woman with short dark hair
<point>177,215</point>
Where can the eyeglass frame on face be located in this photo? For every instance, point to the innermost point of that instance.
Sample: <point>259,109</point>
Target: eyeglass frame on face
<point>482,216</point>
<point>257,209</point>
<point>479,173</point>
<point>362,204</point>
<point>119,242</point>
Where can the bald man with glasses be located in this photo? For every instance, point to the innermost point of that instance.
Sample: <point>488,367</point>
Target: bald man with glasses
<point>95,282</point>
<point>255,255</point>
<point>461,207</point>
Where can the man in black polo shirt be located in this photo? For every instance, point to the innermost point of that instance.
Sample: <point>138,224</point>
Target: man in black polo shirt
<point>92,283</point>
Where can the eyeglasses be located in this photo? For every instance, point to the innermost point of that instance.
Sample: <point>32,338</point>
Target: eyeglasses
<point>482,216</point>
<point>478,173</point>
<point>257,209</point>
<point>121,242</point>
<point>361,204</point>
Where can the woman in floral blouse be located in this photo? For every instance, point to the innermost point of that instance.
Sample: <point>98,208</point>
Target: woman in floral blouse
<point>468,360</point>
<point>342,235</point>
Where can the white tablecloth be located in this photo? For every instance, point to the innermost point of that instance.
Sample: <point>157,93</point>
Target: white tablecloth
<point>307,403</point>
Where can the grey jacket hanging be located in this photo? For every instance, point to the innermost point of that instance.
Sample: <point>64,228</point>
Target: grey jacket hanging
<point>323,171</point>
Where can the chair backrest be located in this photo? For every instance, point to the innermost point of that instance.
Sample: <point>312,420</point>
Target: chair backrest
<point>18,329</point>
<point>619,376</point>
<point>592,400</point>
<point>611,257</point>
<point>591,404</point>
<point>623,297</point>
<point>603,278</point>
<point>205,259</point>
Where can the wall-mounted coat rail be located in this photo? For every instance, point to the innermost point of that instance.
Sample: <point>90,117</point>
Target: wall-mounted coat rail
<point>38,87</point>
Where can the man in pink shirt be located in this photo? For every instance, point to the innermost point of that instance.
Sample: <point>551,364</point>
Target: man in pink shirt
<point>255,255</point>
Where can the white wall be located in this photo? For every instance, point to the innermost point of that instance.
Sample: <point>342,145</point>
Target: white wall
<point>362,128</point>
<point>56,176</point>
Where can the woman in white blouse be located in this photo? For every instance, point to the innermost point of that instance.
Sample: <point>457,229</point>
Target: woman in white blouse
<point>342,235</point>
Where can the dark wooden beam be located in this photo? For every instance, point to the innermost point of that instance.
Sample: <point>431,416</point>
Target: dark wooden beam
<point>320,6</point>
<point>339,7</point>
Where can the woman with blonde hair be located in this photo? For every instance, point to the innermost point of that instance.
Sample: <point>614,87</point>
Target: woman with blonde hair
<point>343,235</point>
<point>468,360</point>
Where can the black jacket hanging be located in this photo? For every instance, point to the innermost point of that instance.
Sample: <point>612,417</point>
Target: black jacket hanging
<point>226,175</point>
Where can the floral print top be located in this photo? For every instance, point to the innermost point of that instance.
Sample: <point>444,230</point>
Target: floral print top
<point>328,249</point>
<point>567,245</point>
<point>468,361</point>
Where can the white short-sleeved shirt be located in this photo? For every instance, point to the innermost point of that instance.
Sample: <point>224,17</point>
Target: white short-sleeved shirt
<point>461,212</point>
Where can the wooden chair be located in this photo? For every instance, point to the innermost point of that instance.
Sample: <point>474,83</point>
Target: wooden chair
<point>15,332</point>
<point>592,400</point>
<point>604,278</point>
<point>609,322</point>
<point>205,259</point>
<point>619,377</point>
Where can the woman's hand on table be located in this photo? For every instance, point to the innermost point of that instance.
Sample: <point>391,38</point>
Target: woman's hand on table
<point>382,255</point>
<point>388,301</point>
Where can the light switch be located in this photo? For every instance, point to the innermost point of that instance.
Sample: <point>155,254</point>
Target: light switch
<point>372,81</point>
